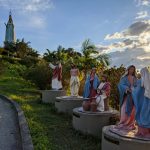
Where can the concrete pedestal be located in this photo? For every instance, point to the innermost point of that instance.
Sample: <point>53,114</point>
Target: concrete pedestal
<point>91,122</point>
<point>112,141</point>
<point>49,96</point>
<point>66,104</point>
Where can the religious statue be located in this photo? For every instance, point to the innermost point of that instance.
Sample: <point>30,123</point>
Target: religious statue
<point>141,98</point>
<point>57,76</point>
<point>90,89</point>
<point>126,87</point>
<point>103,92</point>
<point>74,81</point>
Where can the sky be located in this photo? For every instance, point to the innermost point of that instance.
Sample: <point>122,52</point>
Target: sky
<point>120,28</point>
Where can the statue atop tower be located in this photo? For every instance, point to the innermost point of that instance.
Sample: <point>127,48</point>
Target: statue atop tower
<point>10,33</point>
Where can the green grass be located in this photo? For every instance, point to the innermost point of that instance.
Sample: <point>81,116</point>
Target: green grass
<point>49,130</point>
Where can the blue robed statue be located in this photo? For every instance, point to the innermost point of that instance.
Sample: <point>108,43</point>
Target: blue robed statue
<point>141,97</point>
<point>91,84</point>
<point>126,87</point>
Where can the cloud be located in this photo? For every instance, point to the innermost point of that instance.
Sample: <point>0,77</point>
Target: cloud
<point>116,35</point>
<point>135,56</point>
<point>27,5</point>
<point>132,32</point>
<point>29,13</point>
<point>143,2</point>
<point>142,15</point>
<point>130,46</point>
<point>33,22</point>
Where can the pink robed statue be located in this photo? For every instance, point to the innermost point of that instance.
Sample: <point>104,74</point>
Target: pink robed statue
<point>57,76</point>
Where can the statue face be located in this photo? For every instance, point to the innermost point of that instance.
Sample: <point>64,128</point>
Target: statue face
<point>93,70</point>
<point>103,78</point>
<point>131,71</point>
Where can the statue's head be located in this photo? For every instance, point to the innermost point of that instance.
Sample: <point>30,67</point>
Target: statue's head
<point>73,65</point>
<point>131,70</point>
<point>104,78</point>
<point>93,70</point>
<point>57,62</point>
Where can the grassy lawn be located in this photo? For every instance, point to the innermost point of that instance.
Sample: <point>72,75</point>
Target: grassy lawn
<point>49,130</point>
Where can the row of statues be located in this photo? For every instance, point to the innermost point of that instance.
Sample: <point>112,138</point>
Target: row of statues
<point>95,92</point>
<point>57,78</point>
<point>134,94</point>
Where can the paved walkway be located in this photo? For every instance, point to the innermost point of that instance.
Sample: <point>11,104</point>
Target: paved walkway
<point>9,128</point>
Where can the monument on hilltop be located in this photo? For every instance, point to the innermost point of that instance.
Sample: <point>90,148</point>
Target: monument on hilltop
<point>10,33</point>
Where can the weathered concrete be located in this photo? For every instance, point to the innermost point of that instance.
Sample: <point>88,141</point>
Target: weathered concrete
<point>66,104</point>
<point>14,131</point>
<point>91,122</point>
<point>112,141</point>
<point>49,96</point>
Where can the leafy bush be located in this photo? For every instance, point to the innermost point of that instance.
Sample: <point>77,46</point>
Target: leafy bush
<point>29,61</point>
<point>11,60</point>
<point>17,69</point>
<point>114,74</point>
<point>40,75</point>
<point>1,50</point>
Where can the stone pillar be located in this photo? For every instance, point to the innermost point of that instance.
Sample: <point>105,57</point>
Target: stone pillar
<point>92,122</point>
<point>112,141</point>
<point>49,96</point>
<point>66,104</point>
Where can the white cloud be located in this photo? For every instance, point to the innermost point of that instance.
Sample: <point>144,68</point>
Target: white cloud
<point>27,5</point>
<point>30,13</point>
<point>131,46</point>
<point>135,56</point>
<point>141,15</point>
<point>143,2</point>
<point>116,35</point>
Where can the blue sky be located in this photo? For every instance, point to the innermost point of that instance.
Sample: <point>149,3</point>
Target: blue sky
<point>69,22</point>
<point>49,23</point>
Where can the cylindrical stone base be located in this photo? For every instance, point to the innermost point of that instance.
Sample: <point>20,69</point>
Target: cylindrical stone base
<point>92,122</point>
<point>66,104</point>
<point>49,96</point>
<point>112,141</point>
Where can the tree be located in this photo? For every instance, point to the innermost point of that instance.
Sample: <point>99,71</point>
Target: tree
<point>1,50</point>
<point>9,48</point>
<point>22,48</point>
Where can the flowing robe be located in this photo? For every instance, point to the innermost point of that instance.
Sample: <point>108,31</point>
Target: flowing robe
<point>90,86</point>
<point>57,76</point>
<point>103,91</point>
<point>74,82</point>
<point>127,117</point>
<point>142,107</point>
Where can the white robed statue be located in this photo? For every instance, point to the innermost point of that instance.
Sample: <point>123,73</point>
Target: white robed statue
<point>74,81</point>
<point>103,92</point>
<point>57,76</point>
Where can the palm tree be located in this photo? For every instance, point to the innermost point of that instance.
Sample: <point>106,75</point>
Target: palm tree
<point>91,56</point>
<point>88,50</point>
<point>104,59</point>
<point>49,56</point>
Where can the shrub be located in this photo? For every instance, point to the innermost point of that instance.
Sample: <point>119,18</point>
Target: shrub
<point>29,61</point>
<point>40,75</point>
<point>114,74</point>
